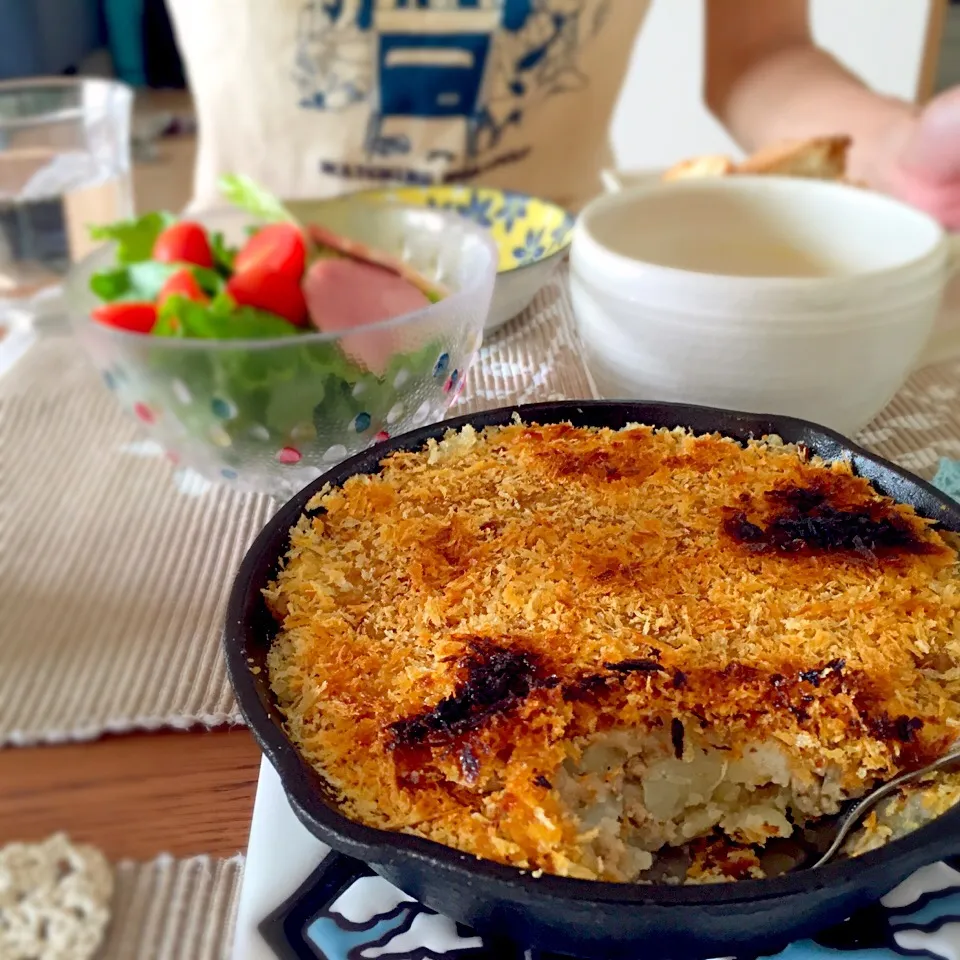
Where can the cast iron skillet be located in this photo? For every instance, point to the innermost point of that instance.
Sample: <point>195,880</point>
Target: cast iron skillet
<point>578,917</point>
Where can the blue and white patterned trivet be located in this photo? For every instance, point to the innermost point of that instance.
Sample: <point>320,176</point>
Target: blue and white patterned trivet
<point>345,912</point>
<point>948,477</point>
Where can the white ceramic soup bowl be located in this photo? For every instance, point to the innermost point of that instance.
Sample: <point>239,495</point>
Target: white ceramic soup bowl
<point>763,294</point>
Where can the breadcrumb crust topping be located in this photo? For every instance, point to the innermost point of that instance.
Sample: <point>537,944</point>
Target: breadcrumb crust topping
<point>451,627</point>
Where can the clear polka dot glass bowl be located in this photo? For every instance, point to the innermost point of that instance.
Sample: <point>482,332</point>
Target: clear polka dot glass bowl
<point>270,416</point>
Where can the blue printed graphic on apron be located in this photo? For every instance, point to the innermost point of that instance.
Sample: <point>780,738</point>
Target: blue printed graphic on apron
<point>333,54</point>
<point>474,66</point>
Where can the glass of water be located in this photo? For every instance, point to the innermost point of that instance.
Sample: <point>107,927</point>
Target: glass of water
<point>64,167</point>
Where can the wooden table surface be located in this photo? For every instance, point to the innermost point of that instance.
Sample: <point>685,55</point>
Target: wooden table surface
<point>138,795</point>
<point>135,795</point>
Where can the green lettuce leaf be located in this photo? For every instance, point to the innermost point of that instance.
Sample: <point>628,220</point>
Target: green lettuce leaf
<point>137,281</point>
<point>243,192</point>
<point>142,281</point>
<point>221,319</point>
<point>274,394</point>
<point>223,255</point>
<point>135,238</point>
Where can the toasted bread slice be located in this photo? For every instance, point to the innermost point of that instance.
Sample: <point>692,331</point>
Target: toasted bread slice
<point>822,158</point>
<point>712,165</point>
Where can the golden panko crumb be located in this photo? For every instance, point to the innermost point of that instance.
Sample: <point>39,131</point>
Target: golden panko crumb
<point>452,627</point>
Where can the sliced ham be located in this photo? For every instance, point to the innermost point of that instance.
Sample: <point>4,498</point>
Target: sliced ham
<point>344,294</point>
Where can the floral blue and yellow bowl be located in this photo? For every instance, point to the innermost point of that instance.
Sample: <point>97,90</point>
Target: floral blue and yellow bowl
<point>532,236</point>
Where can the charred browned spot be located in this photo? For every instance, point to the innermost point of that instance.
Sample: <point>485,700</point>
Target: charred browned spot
<point>802,499</point>
<point>829,530</point>
<point>497,681</point>
<point>676,737</point>
<point>818,674</point>
<point>801,707</point>
<point>799,690</point>
<point>740,672</point>
<point>587,688</point>
<point>541,781</point>
<point>870,702</point>
<point>636,666</point>
<point>831,515</point>
<point>903,729</point>
<point>791,693</point>
<point>469,764</point>
<point>738,527</point>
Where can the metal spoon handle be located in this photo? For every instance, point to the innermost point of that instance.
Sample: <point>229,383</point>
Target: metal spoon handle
<point>855,814</point>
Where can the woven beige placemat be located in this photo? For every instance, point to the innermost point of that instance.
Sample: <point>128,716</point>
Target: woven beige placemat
<point>922,423</point>
<point>173,909</point>
<point>115,567</point>
<point>112,582</point>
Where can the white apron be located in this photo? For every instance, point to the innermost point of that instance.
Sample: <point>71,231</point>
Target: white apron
<point>321,97</point>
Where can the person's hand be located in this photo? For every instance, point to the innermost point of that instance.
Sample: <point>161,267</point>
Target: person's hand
<point>922,165</point>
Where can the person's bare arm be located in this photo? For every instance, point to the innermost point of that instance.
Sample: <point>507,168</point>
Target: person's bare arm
<point>766,81</point>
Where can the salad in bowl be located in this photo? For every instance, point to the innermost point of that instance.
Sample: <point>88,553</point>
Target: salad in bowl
<point>261,343</point>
